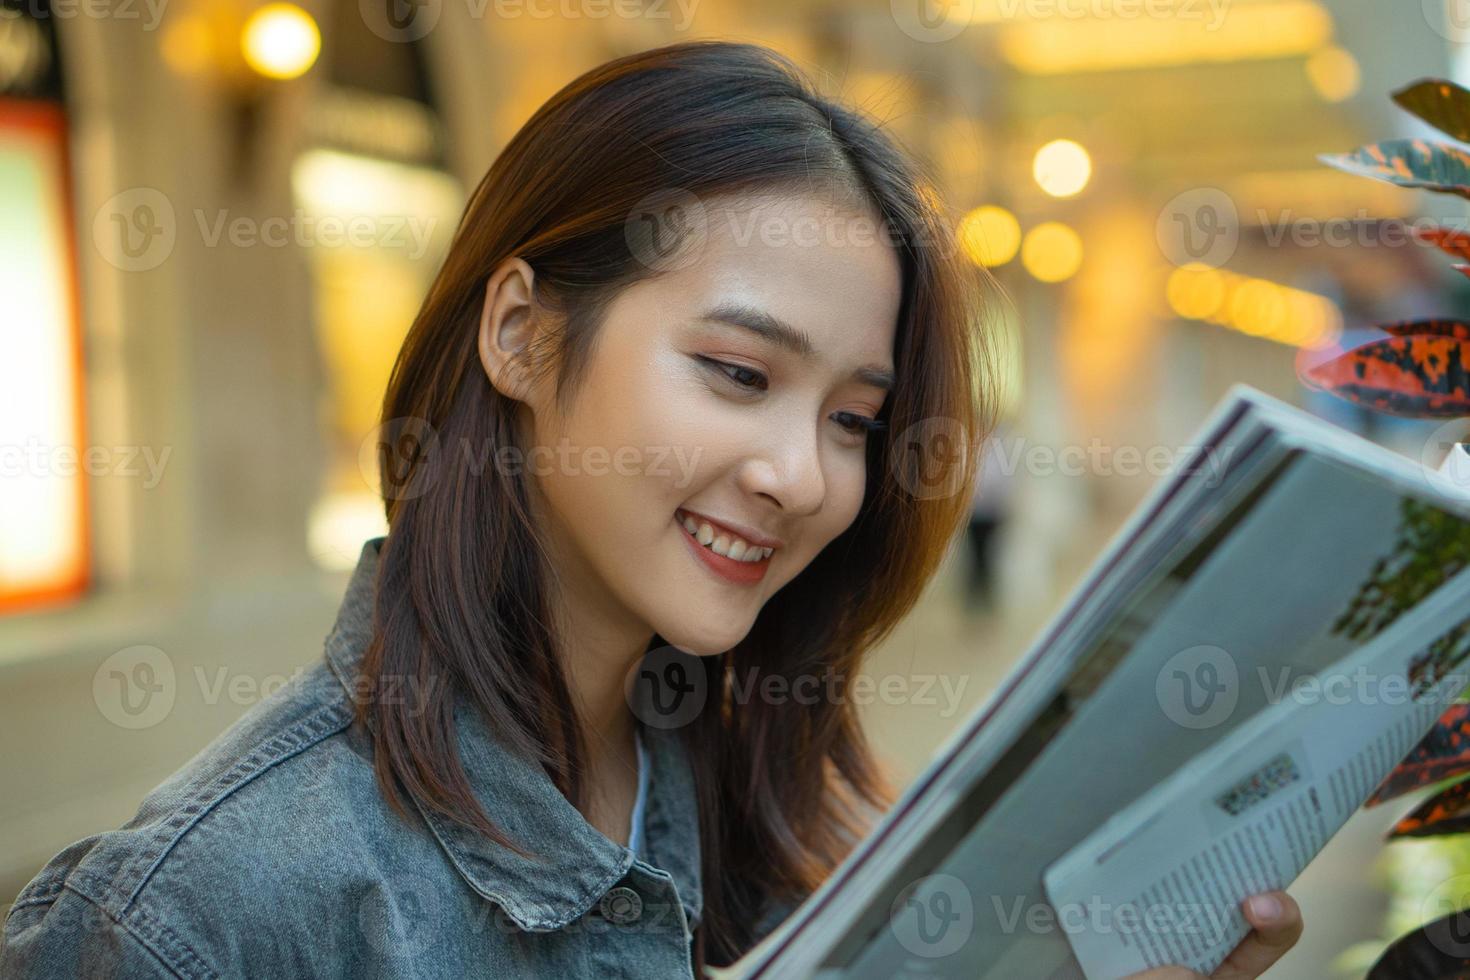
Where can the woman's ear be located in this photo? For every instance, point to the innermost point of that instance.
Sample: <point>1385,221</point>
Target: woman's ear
<point>507,325</point>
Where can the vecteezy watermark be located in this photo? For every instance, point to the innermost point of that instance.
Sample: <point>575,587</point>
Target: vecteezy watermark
<point>137,687</point>
<point>38,459</point>
<point>934,916</point>
<point>1100,459</point>
<point>408,455</point>
<point>1199,225</point>
<point>1201,686</point>
<point>406,918</point>
<point>1449,19</point>
<point>1198,687</point>
<point>931,21</point>
<point>403,21</point>
<point>670,228</point>
<point>1359,231</point>
<point>927,459</point>
<point>1443,459</point>
<point>1445,910</point>
<point>137,230</point>
<point>669,687</point>
<point>149,11</point>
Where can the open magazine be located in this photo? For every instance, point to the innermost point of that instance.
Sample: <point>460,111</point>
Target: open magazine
<point>1272,631</point>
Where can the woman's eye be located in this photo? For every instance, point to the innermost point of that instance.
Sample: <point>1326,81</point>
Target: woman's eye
<point>743,377</point>
<point>858,424</point>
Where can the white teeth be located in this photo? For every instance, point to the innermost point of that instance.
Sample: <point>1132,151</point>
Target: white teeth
<point>721,543</point>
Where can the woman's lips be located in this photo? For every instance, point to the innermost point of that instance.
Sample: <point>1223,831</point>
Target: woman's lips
<point>739,572</point>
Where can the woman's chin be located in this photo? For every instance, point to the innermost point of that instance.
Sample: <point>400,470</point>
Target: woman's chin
<point>702,641</point>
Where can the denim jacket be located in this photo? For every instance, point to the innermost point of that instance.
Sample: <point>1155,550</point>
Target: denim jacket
<point>273,854</point>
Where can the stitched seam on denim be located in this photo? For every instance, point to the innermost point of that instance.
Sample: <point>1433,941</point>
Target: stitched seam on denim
<point>658,828</point>
<point>549,919</point>
<point>177,956</point>
<point>41,896</point>
<point>327,721</point>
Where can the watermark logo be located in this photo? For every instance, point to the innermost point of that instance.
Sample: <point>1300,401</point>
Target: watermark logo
<point>1198,688</point>
<point>932,21</point>
<point>1449,19</point>
<point>667,230</point>
<point>400,453</point>
<point>934,917</point>
<point>1444,461</point>
<point>135,687</point>
<point>1446,909</point>
<point>400,21</point>
<point>927,459</point>
<point>1200,225</point>
<point>403,919</point>
<point>135,230</point>
<point>667,688</point>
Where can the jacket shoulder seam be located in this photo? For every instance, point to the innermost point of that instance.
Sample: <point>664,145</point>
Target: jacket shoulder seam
<point>321,724</point>
<point>139,925</point>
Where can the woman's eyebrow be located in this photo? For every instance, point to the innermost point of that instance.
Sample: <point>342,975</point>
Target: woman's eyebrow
<point>783,335</point>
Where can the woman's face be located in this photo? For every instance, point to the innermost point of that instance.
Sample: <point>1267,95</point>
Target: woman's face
<point>725,395</point>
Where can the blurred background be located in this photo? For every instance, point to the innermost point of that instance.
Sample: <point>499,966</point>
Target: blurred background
<point>218,218</point>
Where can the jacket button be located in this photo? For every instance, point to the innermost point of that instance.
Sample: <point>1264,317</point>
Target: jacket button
<point>622,905</point>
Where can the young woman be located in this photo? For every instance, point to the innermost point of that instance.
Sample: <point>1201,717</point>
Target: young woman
<point>649,433</point>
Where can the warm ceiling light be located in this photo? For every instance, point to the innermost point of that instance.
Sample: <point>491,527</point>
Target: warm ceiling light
<point>1051,252</point>
<point>1334,73</point>
<point>1062,168</point>
<point>990,235</point>
<point>280,40</point>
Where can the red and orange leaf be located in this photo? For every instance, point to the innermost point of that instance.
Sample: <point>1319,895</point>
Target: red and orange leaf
<point>1409,163</point>
<point>1442,104</point>
<point>1446,813</point>
<point>1459,329</point>
<point>1416,377</point>
<point>1442,754</point>
<point>1456,243</point>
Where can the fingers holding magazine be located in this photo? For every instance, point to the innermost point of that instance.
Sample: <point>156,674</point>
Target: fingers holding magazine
<point>1277,925</point>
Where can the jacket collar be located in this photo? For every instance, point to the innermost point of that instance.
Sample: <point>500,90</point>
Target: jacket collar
<point>578,864</point>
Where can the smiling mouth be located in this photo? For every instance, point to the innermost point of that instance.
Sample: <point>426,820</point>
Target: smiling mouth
<point>715,550</point>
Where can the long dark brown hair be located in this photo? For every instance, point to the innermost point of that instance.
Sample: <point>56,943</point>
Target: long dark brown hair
<point>784,789</point>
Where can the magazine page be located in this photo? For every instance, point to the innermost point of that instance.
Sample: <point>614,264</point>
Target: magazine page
<point>1105,728</point>
<point>1161,883</point>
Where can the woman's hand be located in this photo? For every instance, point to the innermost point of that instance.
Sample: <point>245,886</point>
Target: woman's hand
<point>1278,925</point>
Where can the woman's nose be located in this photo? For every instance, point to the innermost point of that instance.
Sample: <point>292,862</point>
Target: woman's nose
<point>788,469</point>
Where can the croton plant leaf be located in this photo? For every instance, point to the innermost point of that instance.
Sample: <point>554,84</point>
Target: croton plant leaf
<point>1442,754</point>
<point>1408,163</point>
<point>1437,951</point>
<point>1455,242</point>
<point>1459,329</point>
<point>1447,812</point>
<point>1420,376</point>
<point>1442,104</point>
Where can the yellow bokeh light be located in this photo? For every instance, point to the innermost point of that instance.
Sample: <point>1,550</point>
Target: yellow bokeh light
<point>188,45</point>
<point>280,40</point>
<point>1062,168</point>
<point>1196,291</point>
<point>1334,73</point>
<point>1255,307</point>
<point>990,235</point>
<point>1052,252</point>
